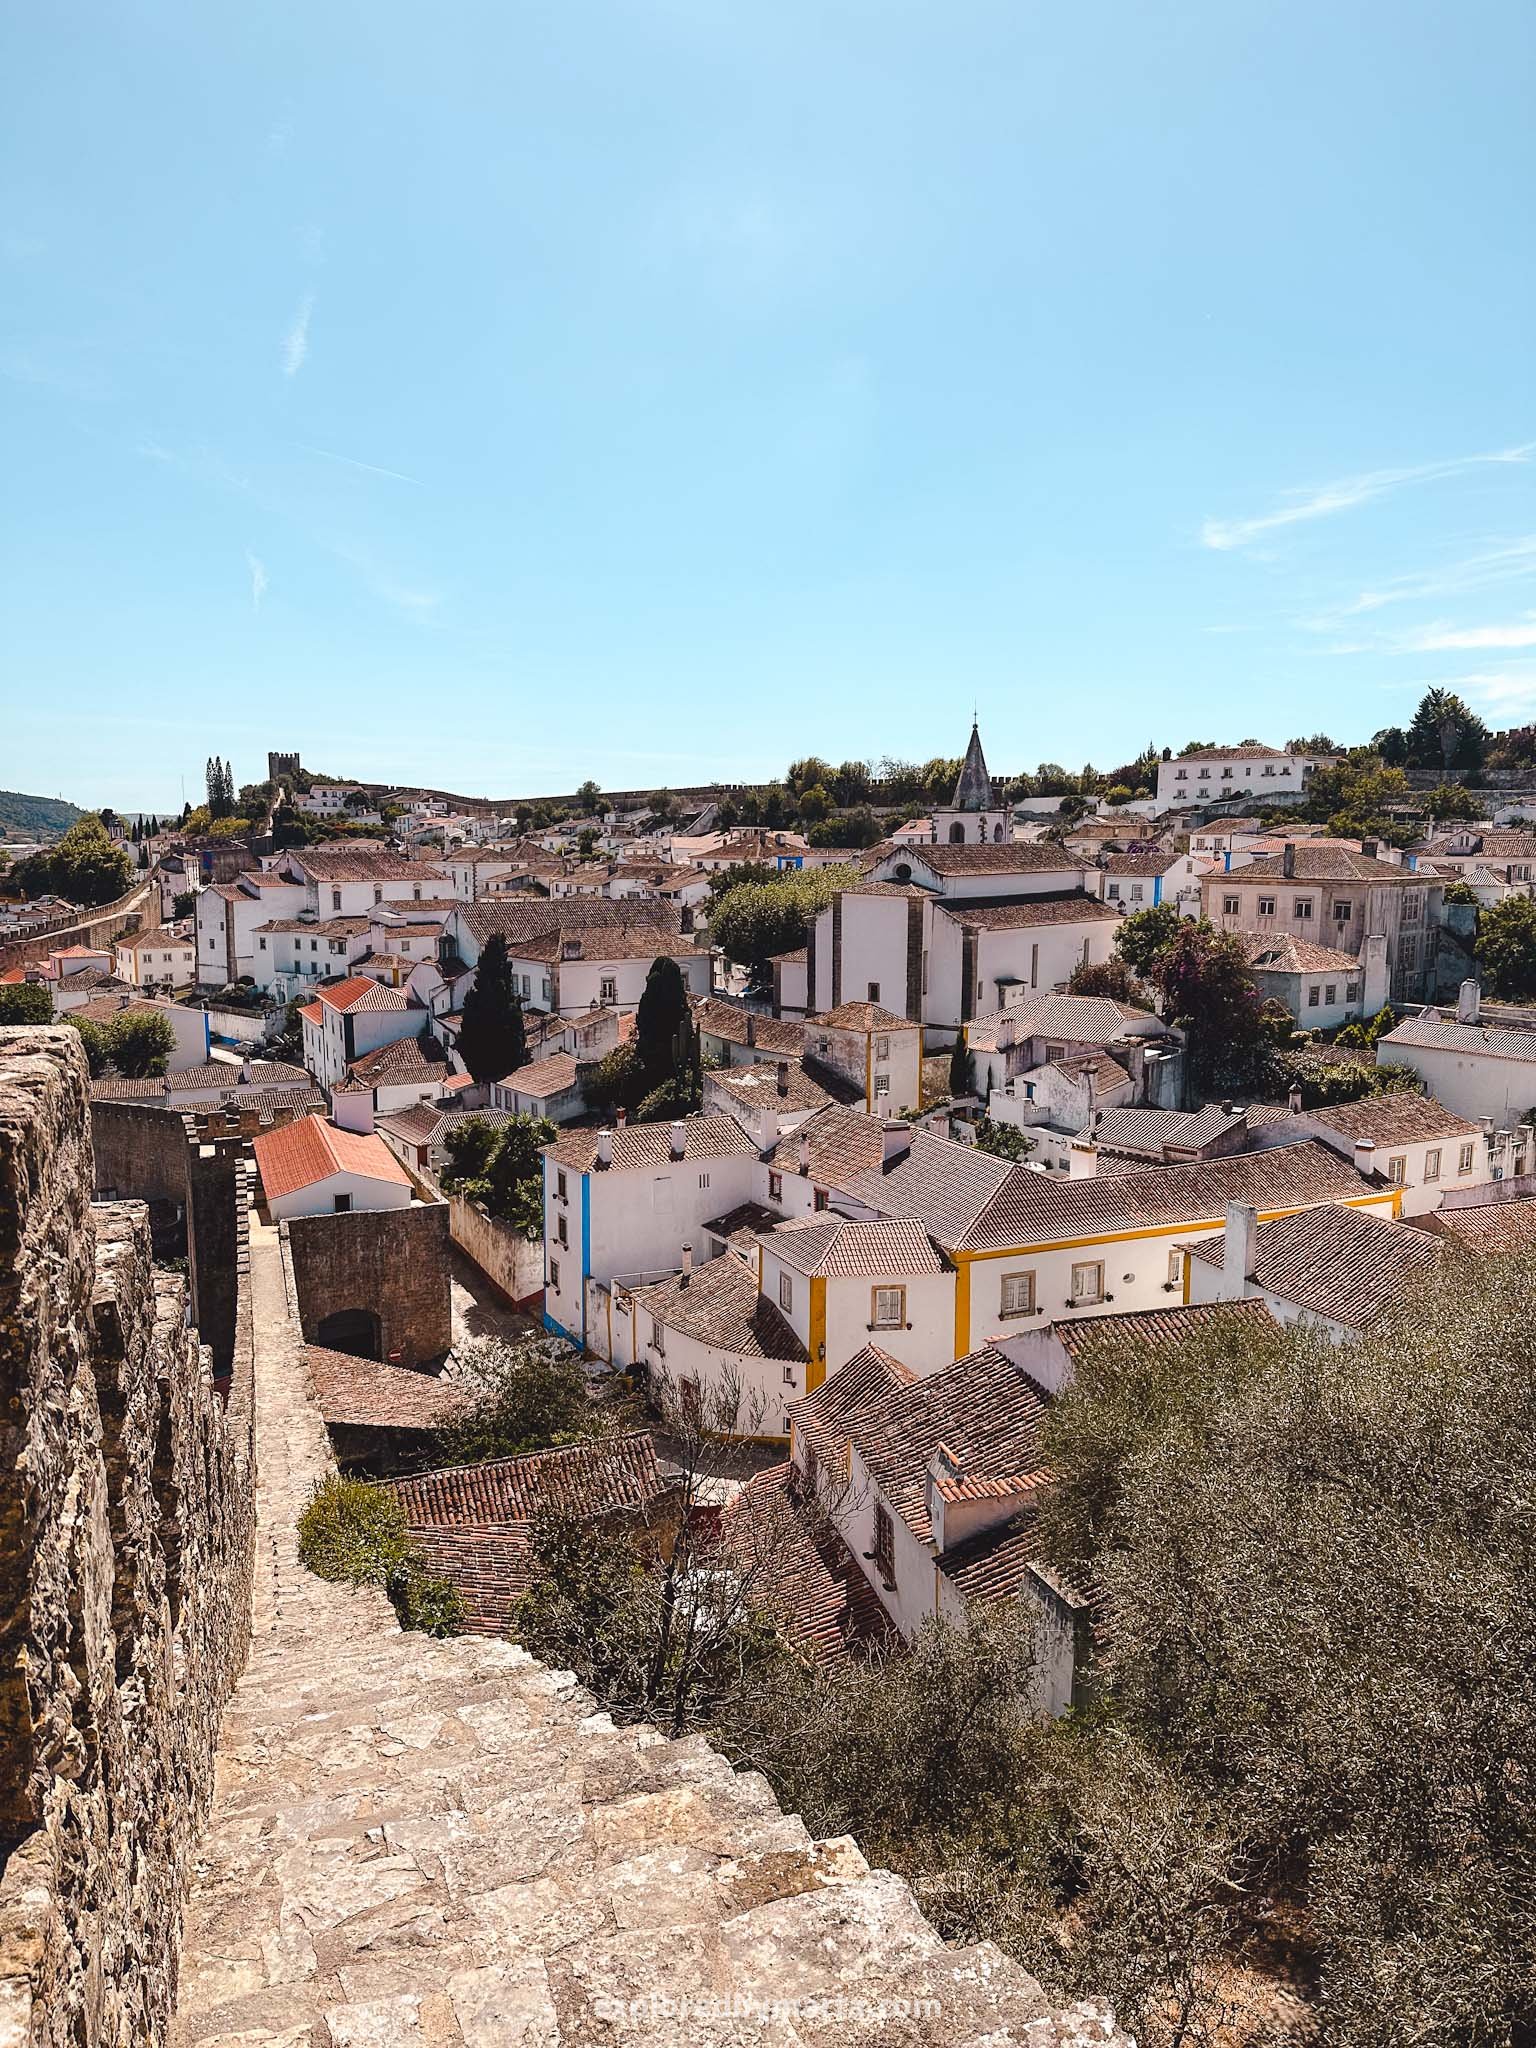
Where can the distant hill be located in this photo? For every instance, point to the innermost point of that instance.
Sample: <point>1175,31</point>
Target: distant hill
<point>35,817</point>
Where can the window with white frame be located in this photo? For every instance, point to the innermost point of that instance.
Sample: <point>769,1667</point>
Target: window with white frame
<point>888,1308</point>
<point>1303,908</point>
<point>1432,1163</point>
<point>1018,1294</point>
<point>1230,906</point>
<point>1397,1170</point>
<point>882,1084</point>
<point>1466,1156</point>
<point>786,1292</point>
<point>1266,906</point>
<point>1087,1282</point>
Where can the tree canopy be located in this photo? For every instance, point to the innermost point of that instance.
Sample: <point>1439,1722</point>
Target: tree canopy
<point>85,867</point>
<point>1506,949</point>
<point>755,920</point>
<point>501,1166</point>
<point>493,1039</point>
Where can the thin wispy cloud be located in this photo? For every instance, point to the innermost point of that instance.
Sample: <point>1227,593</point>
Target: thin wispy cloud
<point>1322,501</point>
<point>296,340</point>
<point>259,579</point>
<point>1502,562</point>
<point>1449,639</point>
<point>1498,691</point>
<point>351,461</point>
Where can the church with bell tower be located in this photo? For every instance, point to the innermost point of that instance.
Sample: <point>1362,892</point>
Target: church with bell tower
<point>975,817</point>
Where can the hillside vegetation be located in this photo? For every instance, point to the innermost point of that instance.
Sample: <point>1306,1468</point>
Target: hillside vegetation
<point>35,817</point>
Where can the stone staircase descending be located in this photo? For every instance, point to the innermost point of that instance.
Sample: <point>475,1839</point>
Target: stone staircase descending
<point>442,1843</point>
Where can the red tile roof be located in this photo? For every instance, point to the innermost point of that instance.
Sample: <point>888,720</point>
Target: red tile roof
<point>303,1154</point>
<point>357,992</point>
<point>360,1393</point>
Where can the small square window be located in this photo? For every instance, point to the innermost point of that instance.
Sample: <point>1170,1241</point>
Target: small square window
<point>1304,908</point>
<point>1266,906</point>
<point>1018,1297</point>
<point>890,1308</point>
<point>874,991</point>
<point>1230,906</point>
<point>882,1084</point>
<point>1087,1283</point>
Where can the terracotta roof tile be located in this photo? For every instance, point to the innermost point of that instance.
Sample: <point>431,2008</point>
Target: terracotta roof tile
<point>1341,1263</point>
<point>1397,1118</point>
<point>357,992</point>
<point>834,1245</point>
<point>648,1145</point>
<point>591,1478</point>
<point>864,1017</point>
<point>719,1305</point>
<point>360,1393</point>
<point>302,1154</point>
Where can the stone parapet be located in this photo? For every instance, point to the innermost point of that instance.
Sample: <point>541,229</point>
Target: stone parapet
<point>126,1539</point>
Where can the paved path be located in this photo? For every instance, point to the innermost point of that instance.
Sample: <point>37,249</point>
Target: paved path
<point>421,1844</point>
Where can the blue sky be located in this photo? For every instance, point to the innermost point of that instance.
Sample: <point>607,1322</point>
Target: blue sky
<point>499,394</point>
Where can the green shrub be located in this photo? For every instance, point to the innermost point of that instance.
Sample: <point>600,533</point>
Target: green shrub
<point>354,1534</point>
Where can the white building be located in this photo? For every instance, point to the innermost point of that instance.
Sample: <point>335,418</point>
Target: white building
<point>577,954</point>
<point>227,918</point>
<point>1478,1065</point>
<point>313,1168</point>
<point>1221,774</point>
<point>879,1053</point>
<point>1322,986</point>
<point>157,959</point>
<point>933,1486</point>
<point>1340,1269</point>
<point>351,1018</point>
<point>1408,1142</point>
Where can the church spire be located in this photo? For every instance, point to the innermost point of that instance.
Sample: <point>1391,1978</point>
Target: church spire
<point>973,791</point>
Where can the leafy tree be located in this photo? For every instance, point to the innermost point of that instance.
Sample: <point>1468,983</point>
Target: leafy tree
<point>1506,949</point>
<point>1113,978</point>
<point>1326,1082</point>
<point>1445,734</point>
<point>1232,1032</point>
<point>587,797</point>
<point>1319,743</point>
<point>221,788</point>
<point>1259,1511</point>
<point>139,1042</point>
<point>501,1166</point>
<point>493,1041</point>
<point>525,1397</point>
<point>1368,1033</point>
<point>94,1039</point>
<point>1451,800</point>
<point>666,1043</point>
<point>25,1002</point>
<point>1460,892</point>
<point>962,1070</point>
<point>811,773</point>
<point>852,783</point>
<point>617,1081</point>
<point>1142,938</point>
<point>815,804</point>
<point>1119,793</point>
<point>753,921</point>
<point>183,903</point>
<point>84,867</point>
<point>1002,1141</point>
<point>853,828</point>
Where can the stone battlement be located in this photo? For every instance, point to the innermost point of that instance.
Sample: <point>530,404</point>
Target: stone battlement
<point>126,1541</point>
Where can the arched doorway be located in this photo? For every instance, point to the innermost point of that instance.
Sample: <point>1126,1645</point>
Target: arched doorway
<point>353,1330</point>
<point>957,832</point>
<point>997,834</point>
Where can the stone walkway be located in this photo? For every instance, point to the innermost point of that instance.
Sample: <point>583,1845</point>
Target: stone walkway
<point>422,1844</point>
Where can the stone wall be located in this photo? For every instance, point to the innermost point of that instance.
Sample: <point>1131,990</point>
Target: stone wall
<point>156,1155</point>
<point>513,1265</point>
<point>126,1551</point>
<point>392,1263</point>
<point>137,910</point>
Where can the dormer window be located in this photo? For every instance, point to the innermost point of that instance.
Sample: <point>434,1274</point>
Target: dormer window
<point>570,949</point>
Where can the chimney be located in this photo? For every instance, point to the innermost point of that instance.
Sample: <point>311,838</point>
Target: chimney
<point>1469,1002</point>
<point>783,1078</point>
<point>621,1119</point>
<point>1293,1102</point>
<point>751,1029</point>
<point>245,1070</point>
<point>687,1264</point>
<point>605,1148</point>
<point>803,1147</point>
<point>1365,1155</point>
<point>1371,848</point>
<point>1240,1249</point>
<point>1288,861</point>
<point>895,1141</point>
<point>1226,1107</point>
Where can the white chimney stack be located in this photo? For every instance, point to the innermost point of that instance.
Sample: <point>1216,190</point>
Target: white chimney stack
<point>687,1263</point>
<point>1365,1156</point>
<point>605,1148</point>
<point>1240,1249</point>
<point>1468,1002</point>
<point>803,1147</point>
<point>679,1138</point>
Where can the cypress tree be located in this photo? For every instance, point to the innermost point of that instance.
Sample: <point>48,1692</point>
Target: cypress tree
<point>492,1039</point>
